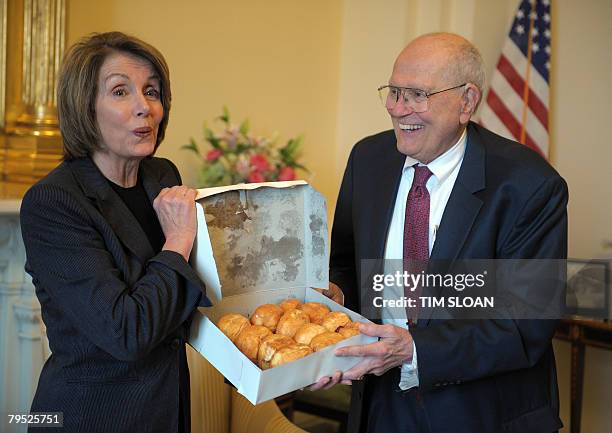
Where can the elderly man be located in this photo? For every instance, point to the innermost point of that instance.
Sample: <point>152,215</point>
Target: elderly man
<point>439,187</point>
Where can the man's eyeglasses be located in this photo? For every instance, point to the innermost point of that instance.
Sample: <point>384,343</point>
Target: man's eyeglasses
<point>416,99</point>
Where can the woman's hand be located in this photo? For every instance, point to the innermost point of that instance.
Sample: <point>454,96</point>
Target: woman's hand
<point>334,293</point>
<point>175,208</point>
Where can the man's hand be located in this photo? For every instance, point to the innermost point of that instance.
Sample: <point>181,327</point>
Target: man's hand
<point>334,293</point>
<point>393,349</point>
<point>327,382</point>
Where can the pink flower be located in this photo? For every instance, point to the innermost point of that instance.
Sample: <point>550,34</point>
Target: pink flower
<point>260,163</point>
<point>259,141</point>
<point>213,154</point>
<point>256,177</point>
<point>243,168</point>
<point>286,173</point>
<point>231,137</point>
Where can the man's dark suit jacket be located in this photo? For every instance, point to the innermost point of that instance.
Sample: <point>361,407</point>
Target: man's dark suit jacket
<point>507,203</point>
<point>114,309</point>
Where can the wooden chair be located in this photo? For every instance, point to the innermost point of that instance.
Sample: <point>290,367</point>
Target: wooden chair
<point>217,408</point>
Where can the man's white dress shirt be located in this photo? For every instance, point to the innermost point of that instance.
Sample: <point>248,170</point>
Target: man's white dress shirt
<point>445,169</point>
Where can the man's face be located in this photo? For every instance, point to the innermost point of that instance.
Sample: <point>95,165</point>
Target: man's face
<point>427,135</point>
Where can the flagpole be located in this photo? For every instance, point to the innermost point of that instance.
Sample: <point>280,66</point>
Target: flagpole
<point>532,15</point>
<point>549,116</point>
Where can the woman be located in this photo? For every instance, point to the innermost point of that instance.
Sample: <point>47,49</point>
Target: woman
<point>108,234</point>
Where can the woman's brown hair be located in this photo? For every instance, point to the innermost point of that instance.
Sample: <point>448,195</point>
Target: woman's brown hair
<point>77,88</point>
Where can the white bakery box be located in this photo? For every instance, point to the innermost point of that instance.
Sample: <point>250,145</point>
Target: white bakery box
<point>258,244</point>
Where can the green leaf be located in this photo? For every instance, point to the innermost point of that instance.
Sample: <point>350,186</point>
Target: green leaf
<point>208,133</point>
<point>225,117</point>
<point>214,141</point>
<point>192,146</point>
<point>213,174</point>
<point>244,127</point>
<point>294,144</point>
<point>242,148</point>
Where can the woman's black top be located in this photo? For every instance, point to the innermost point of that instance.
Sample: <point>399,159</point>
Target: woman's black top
<point>135,198</point>
<point>137,201</point>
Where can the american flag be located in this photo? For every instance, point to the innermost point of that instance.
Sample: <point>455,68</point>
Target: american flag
<point>517,103</point>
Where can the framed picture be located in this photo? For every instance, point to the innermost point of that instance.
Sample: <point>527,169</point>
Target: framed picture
<point>588,288</point>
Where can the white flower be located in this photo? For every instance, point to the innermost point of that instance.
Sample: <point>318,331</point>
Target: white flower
<point>243,167</point>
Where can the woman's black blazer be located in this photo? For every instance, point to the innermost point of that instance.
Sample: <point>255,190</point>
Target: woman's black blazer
<point>115,311</point>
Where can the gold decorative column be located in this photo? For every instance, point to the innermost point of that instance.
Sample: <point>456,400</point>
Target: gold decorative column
<point>32,37</point>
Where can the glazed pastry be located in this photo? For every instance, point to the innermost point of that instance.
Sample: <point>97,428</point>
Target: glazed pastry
<point>307,332</point>
<point>290,353</point>
<point>290,304</point>
<point>249,339</point>
<point>315,310</point>
<point>325,339</point>
<point>332,321</point>
<point>232,325</point>
<point>268,347</point>
<point>349,330</point>
<point>267,315</point>
<point>291,321</point>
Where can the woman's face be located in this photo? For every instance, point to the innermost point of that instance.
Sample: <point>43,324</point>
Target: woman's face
<point>128,107</point>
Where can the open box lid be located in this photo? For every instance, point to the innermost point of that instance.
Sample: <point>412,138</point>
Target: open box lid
<point>260,236</point>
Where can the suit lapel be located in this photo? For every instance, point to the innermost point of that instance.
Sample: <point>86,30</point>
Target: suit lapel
<point>383,182</point>
<point>460,212</point>
<point>115,212</point>
<point>382,198</point>
<point>154,180</point>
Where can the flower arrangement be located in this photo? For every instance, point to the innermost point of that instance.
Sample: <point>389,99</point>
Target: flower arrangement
<point>236,156</point>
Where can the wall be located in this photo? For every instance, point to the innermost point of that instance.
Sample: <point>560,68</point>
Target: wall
<point>313,68</point>
<point>581,98</point>
<point>581,74</point>
<point>21,336</point>
<point>275,62</point>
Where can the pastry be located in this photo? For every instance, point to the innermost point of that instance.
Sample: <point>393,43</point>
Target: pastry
<point>349,330</point>
<point>332,321</point>
<point>267,315</point>
<point>307,332</point>
<point>249,339</point>
<point>232,325</point>
<point>290,353</point>
<point>315,310</point>
<point>291,321</point>
<point>290,304</point>
<point>325,339</point>
<point>268,347</point>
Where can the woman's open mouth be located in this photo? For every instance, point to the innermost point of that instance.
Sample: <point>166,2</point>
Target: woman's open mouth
<point>143,132</point>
